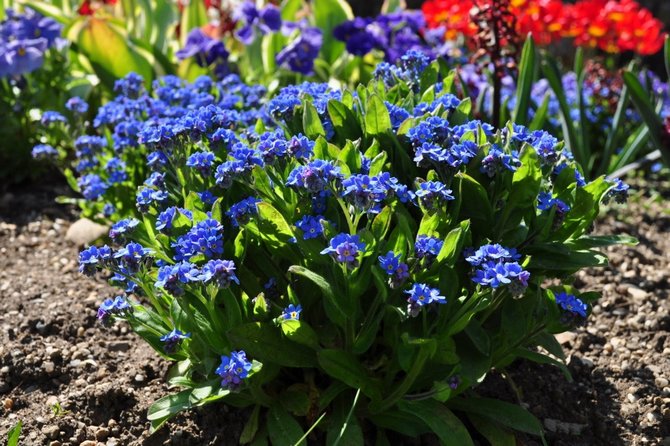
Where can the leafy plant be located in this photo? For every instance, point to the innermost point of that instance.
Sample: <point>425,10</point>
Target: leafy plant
<point>350,260</point>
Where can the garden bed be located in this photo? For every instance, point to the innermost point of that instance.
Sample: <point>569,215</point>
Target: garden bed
<point>71,381</point>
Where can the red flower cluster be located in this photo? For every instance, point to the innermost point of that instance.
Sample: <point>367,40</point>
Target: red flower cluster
<point>615,26</point>
<point>611,25</point>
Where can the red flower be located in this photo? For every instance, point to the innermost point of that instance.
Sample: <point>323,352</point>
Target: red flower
<point>611,25</point>
<point>88,7</point>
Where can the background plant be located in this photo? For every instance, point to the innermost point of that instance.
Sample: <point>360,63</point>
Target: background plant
<point>357,260</point>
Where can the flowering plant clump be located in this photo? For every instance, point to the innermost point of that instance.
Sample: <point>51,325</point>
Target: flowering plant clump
<point>32,60</point>
<point>133,134</point>
<point>350,260</point>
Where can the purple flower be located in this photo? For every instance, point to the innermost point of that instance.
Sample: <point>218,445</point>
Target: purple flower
<point>77,105</point>
<point>360,35</point>
<point>299,55</point>
<point>315,177</point>
<point>201,161</point>
<point>22,56</point>
<point>393,267</point>
<point>264,20</point>
<point>233,369</point>
<point>220,272</point>
<point>421,295</point>
<point>344,248</point>
<point>203,48</point>
<point>132,255</point>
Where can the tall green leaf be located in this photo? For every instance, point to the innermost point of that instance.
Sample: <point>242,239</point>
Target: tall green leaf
<point>507,414</point>
<point>527,68</point>
<point>449,429</point>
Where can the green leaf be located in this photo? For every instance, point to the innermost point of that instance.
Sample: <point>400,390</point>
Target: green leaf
<point>344,121</point>
<point>555,257</point>
<point>666,54</point>
<point>351,156</point>
<point>401,422</point>
<point>541,358</point>
<point>109,50</point>
<point>553,76</point>
<point>649,115</point>
<point>284,430</point>
<point>599,241</point>
<point>478,336</point>
<point>448,428</point>
<point>251,426</point>
<point>14,434</point>
<point>540,117</point>
<point>274,230</point>
<point>377,118</point>
<point>327,15</point>
<point>344,366</point>
<point>527,67</point>
<point>337,309</point>
<point>453,243</point>
<point>311,123</point>
<point>493,433</point>
<point>167,407</point>
<point>262,341</point>
<point>300,332</point>
<point>507,414</point>
<point>381,223</point>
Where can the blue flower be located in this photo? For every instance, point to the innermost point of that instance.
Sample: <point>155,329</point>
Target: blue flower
<point>315,177</point>
<point>171,341</point>
<point>310,226</point>
<point>77,105</point>
<point>300,146</point>
<point>364,192</point>
<point>92,258</point>
<point>116,171</point>
<point>122,228</point>
<point>496,161</point>
<point>361,35</point>
<point>130,86</point>
<point>233,369</point>
<point>433,194</point>
<point>241,212</point>
<point>44,151</point>
<point>51,117</point>
<point>427,247</point>
<point>166,218</point>
<point>421,295</point>
<point>618,191</point>
<point>202,161</point>
<point>92,186</point>
<point>345,248</point>
<point>118,306</point>
<point>496,266</point>
<point>393,267</point>
<point>546,202</point>
<point>292,312</point>
<point>493,252</point>
<point>571,304</point>
<point>146,197</point>
<point>220,272</point>
<point>132,255</point>
<point>299,55</point>
<point>264,20</point>
<point>173,277</point>
<point>205,238</point>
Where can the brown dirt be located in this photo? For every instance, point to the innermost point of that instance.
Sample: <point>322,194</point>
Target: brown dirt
<point>54,354</point>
